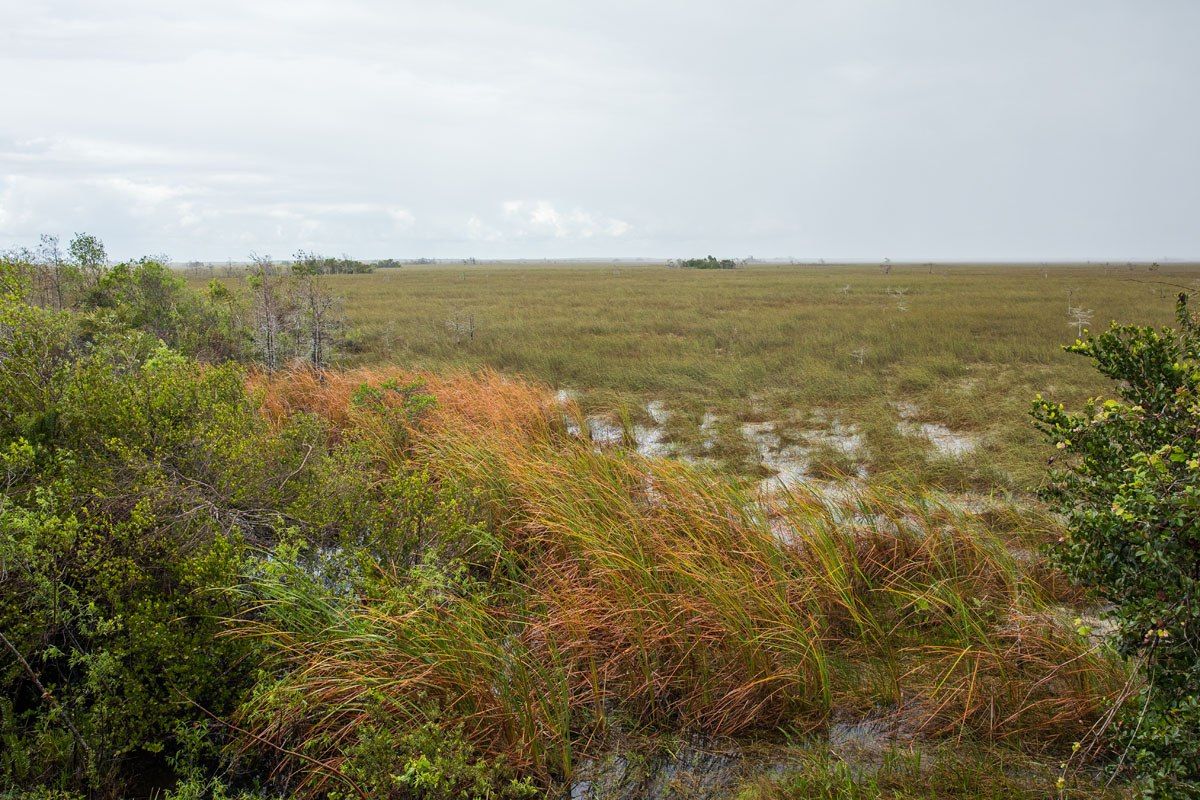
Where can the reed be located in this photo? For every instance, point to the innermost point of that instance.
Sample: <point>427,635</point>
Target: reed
<point>633,593</point>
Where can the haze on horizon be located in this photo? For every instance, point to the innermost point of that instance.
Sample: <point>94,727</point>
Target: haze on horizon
<point>840,129</point>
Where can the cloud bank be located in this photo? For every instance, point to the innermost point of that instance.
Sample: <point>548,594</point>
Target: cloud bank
<point>854,128</point>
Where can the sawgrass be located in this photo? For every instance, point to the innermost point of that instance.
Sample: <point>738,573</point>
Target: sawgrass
<point>607,591</point>
<point>969,345</point>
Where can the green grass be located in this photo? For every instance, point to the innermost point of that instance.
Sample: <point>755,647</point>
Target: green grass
<point>948,772</point>
<point>974,346</point>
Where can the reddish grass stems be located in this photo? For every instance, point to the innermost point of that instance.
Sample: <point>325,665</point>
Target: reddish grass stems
<point>670,598</point>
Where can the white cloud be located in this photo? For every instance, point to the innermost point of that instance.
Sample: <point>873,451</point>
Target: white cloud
<point>479,231</point>
<point>541,219</point>
<point>402,217</point>
<point>143,198</point>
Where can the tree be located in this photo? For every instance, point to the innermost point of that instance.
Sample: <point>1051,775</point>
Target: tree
<point>1079,319</point>
<point>711,262</point>
<point>148,295</point>
<point>293,313</point>
<point>326,265</point>
<point>88,256</point>
<point>270,309</point>
<point>54,273</point>
<point>1128,485</point>
<point>317,315</point>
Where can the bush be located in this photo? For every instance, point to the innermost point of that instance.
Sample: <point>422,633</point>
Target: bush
<point>139,488</point>
<point>147,295</point>
<point>1129,487</point>
<point>121,462</point>
<point>144,295</point>
<point>706,263</point>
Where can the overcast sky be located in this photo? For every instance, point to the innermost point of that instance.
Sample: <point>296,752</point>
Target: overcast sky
<point>907,129</point>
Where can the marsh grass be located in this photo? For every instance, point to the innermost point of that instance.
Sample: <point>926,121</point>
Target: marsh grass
<point>976,343</point>
<point>607,591</point>
<point>947,771</point>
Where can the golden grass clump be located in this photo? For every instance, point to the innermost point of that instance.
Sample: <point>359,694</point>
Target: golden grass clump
<point>483,401</point>
<point>645,592</point>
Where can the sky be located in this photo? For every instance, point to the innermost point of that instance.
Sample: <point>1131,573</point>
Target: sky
<point>906,129</point>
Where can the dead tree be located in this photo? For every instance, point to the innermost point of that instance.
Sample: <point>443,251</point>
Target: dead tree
<point>1080,318</point>
<point>270,308</point>
<point>52,273</point>
<point>317,316</point>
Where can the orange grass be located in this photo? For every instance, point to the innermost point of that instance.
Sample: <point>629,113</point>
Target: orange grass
<point>667,596</point>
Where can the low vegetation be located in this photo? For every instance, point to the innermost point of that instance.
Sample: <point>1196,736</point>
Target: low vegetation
<point>711,262</point>
<point>1130,491</point>
<point>961,348</point>
<point>225,580</point>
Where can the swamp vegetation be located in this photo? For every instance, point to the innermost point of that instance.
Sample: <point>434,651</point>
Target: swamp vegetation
<point>423,580</point>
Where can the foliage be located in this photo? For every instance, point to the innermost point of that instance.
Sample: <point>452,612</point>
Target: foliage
<point>145,295</point>
<point>220,583</point>
<point>311,263</point>
<point>116,454</point>
<point>361,709</point>
<point>138,487</point>
<point>1129,486</point>
<point>710,262</point>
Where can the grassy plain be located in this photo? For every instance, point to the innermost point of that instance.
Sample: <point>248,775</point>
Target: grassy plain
<point>610,595</point>
<point>806,349</point>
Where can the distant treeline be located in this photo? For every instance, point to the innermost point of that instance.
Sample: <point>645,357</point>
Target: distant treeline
<point>704,263</point>
<point>328,265</point>
<point>317,264</point>
<point>272,315</point>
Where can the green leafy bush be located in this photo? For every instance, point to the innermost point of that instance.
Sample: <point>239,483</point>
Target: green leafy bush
<point>711,262</point>
<point>1128,483</point>
<point>139,489</point>
<point>147,295</point>
<point>122,465</point>
<point>144,295</point>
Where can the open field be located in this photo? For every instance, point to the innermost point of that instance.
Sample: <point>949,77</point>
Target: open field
<point>923,375</point>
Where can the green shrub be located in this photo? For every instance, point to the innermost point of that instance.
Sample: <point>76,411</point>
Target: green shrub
<point>430,762</point>
<point>711,262</point>
<point>118,483</point>
<point>147,295</point>
<point>1129,487</point>
<point>138,488</point>
<point>144,295</point>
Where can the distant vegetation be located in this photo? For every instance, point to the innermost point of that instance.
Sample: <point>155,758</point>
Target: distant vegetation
<point>962,347</point>
<point>325,265</point>
<point>227,570</point>
<point>704,263</point>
